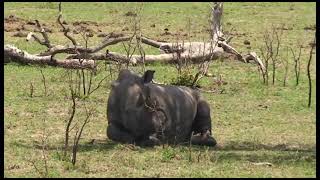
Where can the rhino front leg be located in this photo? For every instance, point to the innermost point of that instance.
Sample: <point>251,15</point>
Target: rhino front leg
<point>151,140</point>
<point>119,134</point>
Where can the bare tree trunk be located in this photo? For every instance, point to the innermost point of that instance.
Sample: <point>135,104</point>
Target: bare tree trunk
<point>216,27</point>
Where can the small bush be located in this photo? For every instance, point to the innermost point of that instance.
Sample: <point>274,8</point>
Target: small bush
<point>185,78</point>
<point>168,153</point>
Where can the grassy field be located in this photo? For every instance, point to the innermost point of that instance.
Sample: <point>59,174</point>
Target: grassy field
<point>253,123</point>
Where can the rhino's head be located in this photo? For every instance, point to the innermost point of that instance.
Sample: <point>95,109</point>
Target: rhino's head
<point>132,88</point>
<point>130,92</point>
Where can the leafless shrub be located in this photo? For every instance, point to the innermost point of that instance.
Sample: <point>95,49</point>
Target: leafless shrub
<point>43,170</point>
<point>78,134</point>
<point>270,51</point>
<point>31,89</point>
<point>130,47</point>
<point>266,58</point>
<point>296,63</point>
<point>286,67</point>
<point>70,120</point>
<point>71,124</point>
<point>275,53</point>
<point>308,70</point>
<point>44,82</point>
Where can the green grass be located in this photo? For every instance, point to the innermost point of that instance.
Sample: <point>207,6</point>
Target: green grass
<point>252,122</point>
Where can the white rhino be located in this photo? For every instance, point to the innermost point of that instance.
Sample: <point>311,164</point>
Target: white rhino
<point>147,114</point>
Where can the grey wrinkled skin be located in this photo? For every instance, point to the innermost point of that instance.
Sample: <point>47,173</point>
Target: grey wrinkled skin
<point>147,114</point>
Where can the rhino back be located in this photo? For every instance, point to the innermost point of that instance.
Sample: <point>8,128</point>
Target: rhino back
<point>180,105</point>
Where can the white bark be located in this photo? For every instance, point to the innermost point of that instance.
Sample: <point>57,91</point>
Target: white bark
<point>11,53</point>
<point>196,52</point>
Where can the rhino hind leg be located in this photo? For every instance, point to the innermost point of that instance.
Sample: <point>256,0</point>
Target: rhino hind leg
<point>202,121</point>
<point>202,126</point>
<point>203,140</point>
<point>119,134</point>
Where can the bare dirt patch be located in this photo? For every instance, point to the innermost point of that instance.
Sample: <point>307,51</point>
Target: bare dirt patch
<point>21,27</point>
<point>310,27</point>
<point>13,23</point>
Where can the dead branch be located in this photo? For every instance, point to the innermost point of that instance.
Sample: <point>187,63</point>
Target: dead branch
<point>70,50</point>
<point>46,41</point>
<point>197,52</point>
<point>65,30</point>
<point>252,56</point>
<point>229,49</point>
<point>12,53</point>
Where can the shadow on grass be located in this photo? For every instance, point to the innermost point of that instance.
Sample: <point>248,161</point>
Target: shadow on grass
<point>106,145</point>
<point>253,152</point>
<point>95,145</point>
<point>251,146</point>
<point>230,152</point>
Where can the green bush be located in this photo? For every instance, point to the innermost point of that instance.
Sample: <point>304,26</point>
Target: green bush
<point>185,78</point>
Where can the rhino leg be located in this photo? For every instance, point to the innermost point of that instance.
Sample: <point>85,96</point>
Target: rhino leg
<point>119,134</point>
<point>202,125</point>
<point>203,139</point>
<point>202,121</point>
<point>151,140</point>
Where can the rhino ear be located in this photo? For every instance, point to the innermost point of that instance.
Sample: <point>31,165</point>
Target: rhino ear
<point>148,76</point>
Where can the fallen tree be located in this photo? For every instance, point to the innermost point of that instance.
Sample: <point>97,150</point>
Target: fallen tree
<point>172,52</point>
<point>11,53</point>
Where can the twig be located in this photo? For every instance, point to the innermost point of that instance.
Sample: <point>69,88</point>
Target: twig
<point>44,83</point>
<point>99,84</point>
